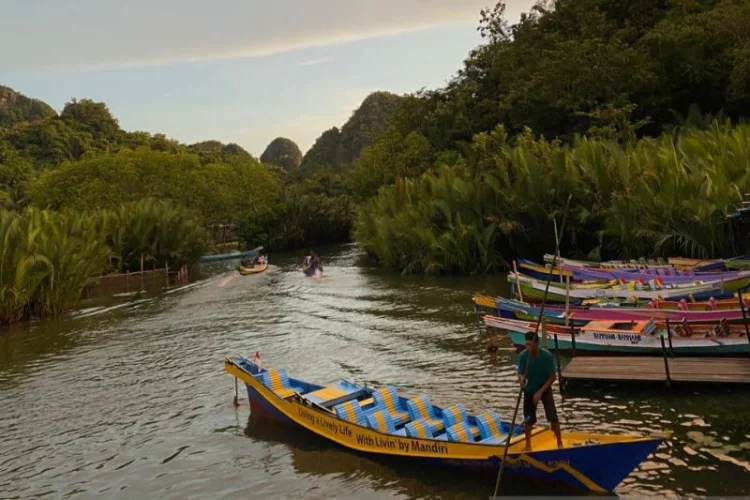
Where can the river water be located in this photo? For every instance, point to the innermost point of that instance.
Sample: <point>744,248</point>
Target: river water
<point>131,400</point>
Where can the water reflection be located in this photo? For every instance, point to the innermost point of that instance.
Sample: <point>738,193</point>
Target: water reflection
<point>130,400</point>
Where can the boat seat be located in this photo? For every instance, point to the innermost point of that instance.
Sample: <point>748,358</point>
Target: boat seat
<point>423,429</point>
<point>386,398</point>
<point>278,381</point>
<point>326,394</point>
<point>382,421</point>
<point>420,408</point>
<point>453,415</point>
<point>352,412</point>
<point>490,427</point>
<point>366,402</point>
<point>462,432</point>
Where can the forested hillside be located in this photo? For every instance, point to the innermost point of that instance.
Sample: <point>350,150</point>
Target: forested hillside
<point>634,109</point>
<point>610,102</point>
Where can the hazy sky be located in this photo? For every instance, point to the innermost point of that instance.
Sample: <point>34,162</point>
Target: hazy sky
<point>243,71</point>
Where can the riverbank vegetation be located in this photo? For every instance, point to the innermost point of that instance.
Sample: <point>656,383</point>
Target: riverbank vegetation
<point>47,258</point>
<point>635,109</point>
<point>663,196</point>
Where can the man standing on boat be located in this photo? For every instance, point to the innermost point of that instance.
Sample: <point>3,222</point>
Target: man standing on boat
<point>537,380</point>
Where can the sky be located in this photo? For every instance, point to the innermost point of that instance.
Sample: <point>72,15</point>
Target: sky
<point>243,71</point>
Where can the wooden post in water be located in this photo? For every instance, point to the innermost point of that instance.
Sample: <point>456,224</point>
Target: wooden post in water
<point>567,299</point>
<point>557,358</point>
<point>669,336</point>
<point>141,271</point>
<point>744,314</point>
<point>666,362</point>
<point>573,340</point>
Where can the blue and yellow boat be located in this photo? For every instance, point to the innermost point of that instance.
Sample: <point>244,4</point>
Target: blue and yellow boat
<point>385,424</point>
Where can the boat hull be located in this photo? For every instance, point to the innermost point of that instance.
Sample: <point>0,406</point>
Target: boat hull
<point>245,271</point>
<point>577,467</point>
<point>580,315</point>
<point>634,344</point>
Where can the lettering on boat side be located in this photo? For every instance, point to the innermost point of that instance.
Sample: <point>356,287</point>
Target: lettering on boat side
<point>412,445</point>
<point>402,445</point>
<point>334,427</point>
<point>633,338</point>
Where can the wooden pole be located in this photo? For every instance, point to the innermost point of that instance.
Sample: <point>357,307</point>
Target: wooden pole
<point>526,371</point>
<point>166,272</point>
<point>573,340</point>
<point>236,399</point>
<point>669,336</point>
<point>557,250</point>
<point>666,362</point>
<point>744,314</point>
<point>567,299</point>
<point>557,358</point>
<point>141,271</point>
<point>518,282</point>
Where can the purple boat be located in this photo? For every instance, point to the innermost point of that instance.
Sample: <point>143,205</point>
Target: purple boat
<point>732,280</point>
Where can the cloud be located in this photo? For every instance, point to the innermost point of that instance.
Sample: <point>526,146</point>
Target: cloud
<point>313,62</point>
<point>112,33</point>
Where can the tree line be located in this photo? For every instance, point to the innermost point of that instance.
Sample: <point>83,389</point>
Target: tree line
<point>635,109</point>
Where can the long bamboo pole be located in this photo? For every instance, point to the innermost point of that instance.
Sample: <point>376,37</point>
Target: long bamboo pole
<point>536,332</point>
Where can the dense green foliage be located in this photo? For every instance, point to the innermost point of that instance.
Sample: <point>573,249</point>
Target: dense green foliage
<point>282,152</point>
<point>614,93</point>
<point>633,109</point>
<point>577,66</point>
<point>47,258</point>
<point>662,196</point>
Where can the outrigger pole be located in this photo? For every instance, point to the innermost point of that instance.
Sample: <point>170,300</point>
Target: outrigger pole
<point>536,332</point>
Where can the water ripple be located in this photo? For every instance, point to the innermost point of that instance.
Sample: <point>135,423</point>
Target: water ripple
<point>130,400</point>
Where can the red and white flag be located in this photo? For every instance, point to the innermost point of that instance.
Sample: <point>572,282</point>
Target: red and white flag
<point>256,360</point>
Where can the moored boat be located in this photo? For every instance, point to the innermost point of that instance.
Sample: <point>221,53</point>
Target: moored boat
<point>699,312</point>
<point>384,424</point>
<point>535,289</point>
<point>634,337</point>
<point>249,254</point>
<point>727,281</point>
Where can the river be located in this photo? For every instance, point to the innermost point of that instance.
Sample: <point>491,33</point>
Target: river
<point>131,401</point>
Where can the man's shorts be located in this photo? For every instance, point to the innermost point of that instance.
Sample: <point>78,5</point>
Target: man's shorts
<point>529,408</point>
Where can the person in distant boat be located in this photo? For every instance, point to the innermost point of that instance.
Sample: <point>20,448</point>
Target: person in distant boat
<point>312,259</point>
<point>537,386</point>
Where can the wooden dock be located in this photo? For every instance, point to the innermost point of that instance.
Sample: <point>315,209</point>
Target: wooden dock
<point>658,369</point>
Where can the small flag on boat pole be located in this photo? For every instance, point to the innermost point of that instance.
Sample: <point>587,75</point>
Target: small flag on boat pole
<point>256,360</point>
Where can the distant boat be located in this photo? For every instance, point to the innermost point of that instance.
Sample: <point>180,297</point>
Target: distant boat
<point>255,269</point>
<point>250,254</point>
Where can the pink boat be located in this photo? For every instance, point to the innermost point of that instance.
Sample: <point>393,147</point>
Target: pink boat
<point>578,314</point>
